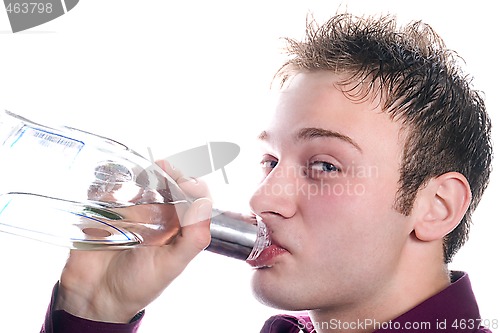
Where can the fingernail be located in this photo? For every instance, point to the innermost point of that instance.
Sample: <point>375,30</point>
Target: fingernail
<point>204,211</point>
<point>162,164</point>
<point>187,179</point>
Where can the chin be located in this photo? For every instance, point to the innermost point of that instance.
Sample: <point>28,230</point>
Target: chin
<point>278,294</point>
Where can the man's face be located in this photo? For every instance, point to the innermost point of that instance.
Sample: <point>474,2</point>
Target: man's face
<point>331,169</point>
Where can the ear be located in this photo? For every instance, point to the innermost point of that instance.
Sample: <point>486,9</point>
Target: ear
<point>442,203</point>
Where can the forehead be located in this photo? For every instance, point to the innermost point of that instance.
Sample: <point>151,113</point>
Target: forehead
<point>318,100</point>
<point>321,90</point>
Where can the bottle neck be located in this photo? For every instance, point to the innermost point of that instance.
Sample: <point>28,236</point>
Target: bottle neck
<point>235,237</point>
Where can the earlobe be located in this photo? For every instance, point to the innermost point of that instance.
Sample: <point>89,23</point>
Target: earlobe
<point>443,203</point>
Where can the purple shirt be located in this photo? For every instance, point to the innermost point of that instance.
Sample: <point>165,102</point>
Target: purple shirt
<point>454,309</point>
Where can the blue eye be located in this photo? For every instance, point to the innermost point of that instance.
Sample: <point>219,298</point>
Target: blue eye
<point>321,166</point>
<point>268,163</point>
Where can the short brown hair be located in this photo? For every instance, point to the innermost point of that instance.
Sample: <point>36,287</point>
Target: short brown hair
<point>421,84</point>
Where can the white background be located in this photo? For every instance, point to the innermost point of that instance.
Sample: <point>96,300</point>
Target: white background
<point>172,75</point>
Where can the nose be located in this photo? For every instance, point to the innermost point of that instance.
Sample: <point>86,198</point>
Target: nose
<point>276,196</point>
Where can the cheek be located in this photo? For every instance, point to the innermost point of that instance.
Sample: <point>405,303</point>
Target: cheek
<point>334,203</point>
<point>352,218</point>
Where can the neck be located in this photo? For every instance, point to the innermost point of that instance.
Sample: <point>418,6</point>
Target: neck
<point>418,277</point>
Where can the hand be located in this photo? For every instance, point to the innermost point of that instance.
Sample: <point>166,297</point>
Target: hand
<point>113,286</point>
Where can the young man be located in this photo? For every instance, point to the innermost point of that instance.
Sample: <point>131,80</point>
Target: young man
<point>377,155</point>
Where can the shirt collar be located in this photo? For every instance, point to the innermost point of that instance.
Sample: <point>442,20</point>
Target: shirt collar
<point>455,306</point>
<point>453,309</point>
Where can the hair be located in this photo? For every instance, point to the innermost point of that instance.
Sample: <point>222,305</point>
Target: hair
<point>420,83</point>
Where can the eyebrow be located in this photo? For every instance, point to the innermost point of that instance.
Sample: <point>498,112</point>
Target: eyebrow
<point>309,133</point>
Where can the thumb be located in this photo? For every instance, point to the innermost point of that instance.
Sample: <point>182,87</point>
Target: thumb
<point>195,232</point>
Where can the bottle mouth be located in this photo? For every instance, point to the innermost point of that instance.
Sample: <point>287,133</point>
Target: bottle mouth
<point>263,240</point>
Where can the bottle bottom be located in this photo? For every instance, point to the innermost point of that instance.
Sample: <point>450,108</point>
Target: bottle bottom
<point>86,226</point>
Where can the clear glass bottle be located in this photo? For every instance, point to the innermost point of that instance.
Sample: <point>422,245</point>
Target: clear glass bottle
<point>73,188</point>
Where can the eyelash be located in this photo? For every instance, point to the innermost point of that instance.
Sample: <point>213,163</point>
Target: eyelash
<point>268,163</point>
<point>330,166</point>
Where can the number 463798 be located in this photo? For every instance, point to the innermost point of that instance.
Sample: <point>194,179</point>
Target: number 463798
<point>29,8</point>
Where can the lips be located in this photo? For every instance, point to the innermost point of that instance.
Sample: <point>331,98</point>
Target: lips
<point>268,256</point>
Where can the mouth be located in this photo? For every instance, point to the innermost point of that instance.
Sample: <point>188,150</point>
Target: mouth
<point>268,257</point>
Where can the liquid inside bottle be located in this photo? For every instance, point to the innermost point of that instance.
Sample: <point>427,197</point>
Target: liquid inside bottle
<point>83,191</point>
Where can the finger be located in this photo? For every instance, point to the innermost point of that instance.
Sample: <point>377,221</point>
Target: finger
<point>174,173</point>
<point>200,211</point>
<point>195,234</point>
<point>194,188</point>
